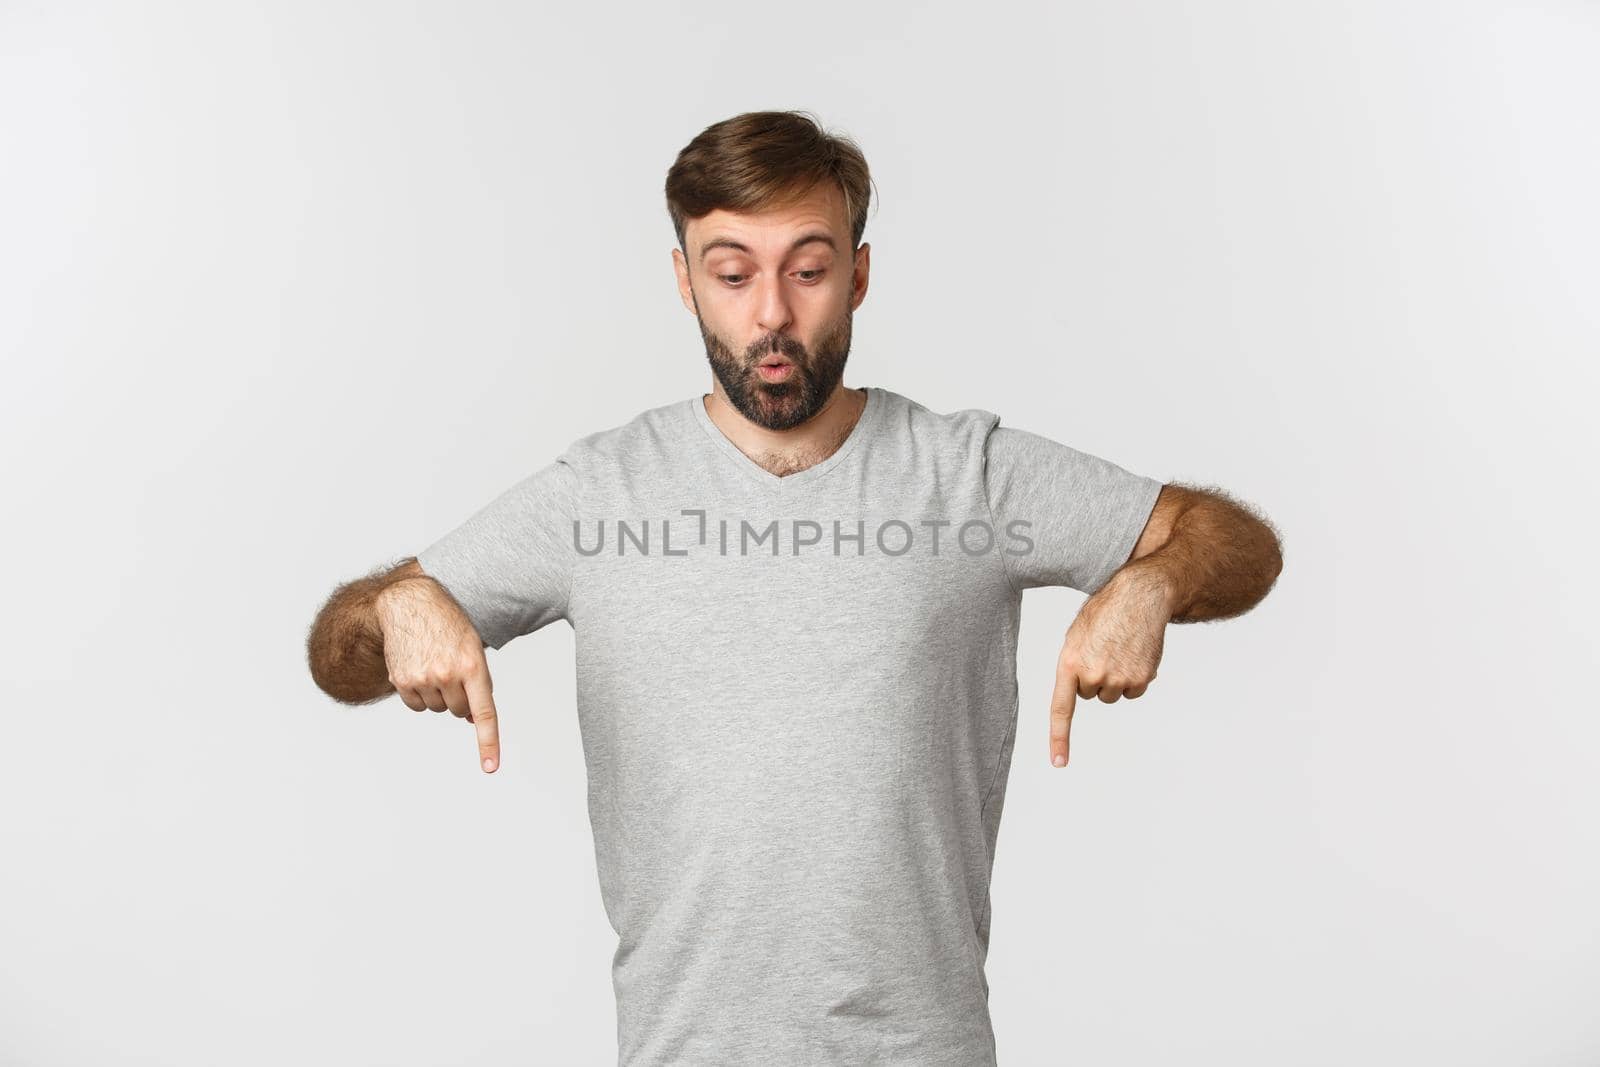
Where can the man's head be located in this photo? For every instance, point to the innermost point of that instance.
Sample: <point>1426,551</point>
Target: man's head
<point>769,211</point>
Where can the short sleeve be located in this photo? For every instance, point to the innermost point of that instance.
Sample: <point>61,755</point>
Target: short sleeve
<point>510,564</point>
<point>1063,517</point>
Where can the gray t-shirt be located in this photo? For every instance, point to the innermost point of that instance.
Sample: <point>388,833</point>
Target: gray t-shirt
<point>798,699</point>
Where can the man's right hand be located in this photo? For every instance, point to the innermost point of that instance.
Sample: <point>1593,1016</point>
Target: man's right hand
<point>435,658</point>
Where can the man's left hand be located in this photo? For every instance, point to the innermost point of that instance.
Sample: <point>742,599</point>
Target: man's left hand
<point>1111,650</point>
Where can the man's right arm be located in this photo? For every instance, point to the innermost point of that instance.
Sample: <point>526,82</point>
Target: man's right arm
<point>345,646</point>
<point>420,628</point>
<point>403,632</point>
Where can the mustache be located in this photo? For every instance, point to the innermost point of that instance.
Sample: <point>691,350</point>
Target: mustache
<point>788,347</point>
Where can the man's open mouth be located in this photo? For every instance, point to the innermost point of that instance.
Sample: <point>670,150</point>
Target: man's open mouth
<point>776,369</point>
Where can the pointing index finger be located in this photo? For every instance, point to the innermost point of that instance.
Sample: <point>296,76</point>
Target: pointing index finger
<point>1062,703</point>
<point>484,720</point>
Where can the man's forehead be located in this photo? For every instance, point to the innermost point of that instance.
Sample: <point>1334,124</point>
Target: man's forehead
<point>783,227</point>
<point>812,237</point>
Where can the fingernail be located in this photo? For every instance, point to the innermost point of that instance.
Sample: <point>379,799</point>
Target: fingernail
<point>1060,760</point>
<point>488,763</point>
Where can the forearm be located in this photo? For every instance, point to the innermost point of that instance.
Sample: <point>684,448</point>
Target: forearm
<point>1219,561</point>
<point>345,646</point>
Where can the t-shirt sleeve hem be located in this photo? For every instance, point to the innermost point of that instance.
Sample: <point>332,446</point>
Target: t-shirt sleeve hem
<point>1131,524</point>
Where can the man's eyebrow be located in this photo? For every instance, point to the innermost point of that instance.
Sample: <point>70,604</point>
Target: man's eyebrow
<point>729,242</point>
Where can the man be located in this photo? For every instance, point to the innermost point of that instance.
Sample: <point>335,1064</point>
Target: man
<point>795,608</point>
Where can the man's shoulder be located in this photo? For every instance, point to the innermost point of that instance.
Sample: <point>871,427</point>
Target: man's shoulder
<point>963,428</point>
<point>653,429</point>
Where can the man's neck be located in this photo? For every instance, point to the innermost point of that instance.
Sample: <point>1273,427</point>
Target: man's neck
<point>785,452</point>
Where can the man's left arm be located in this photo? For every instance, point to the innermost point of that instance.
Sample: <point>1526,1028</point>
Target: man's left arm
<point>1201,556</point>
<point>1212,556</point>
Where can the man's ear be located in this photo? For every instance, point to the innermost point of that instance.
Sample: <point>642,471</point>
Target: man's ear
<point>858,280</point>
<point>680,267</point>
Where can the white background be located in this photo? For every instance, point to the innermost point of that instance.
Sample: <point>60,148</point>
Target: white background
<point>289,290</point>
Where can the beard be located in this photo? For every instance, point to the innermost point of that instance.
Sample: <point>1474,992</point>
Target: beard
<point>786,404</point>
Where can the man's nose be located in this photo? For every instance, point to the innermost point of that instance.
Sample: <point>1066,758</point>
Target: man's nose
<point>772,305</point>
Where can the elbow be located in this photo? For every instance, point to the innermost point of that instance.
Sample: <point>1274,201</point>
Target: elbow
<point>344,649</point>
<point>1271,558</point>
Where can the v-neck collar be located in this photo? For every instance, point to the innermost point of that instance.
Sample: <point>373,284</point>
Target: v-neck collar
<point>861,430</point>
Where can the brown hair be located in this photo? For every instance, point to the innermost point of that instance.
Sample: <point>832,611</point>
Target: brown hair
<point>764,159</point>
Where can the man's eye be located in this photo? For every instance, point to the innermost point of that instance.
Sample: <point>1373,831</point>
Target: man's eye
<point>807,276</point>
